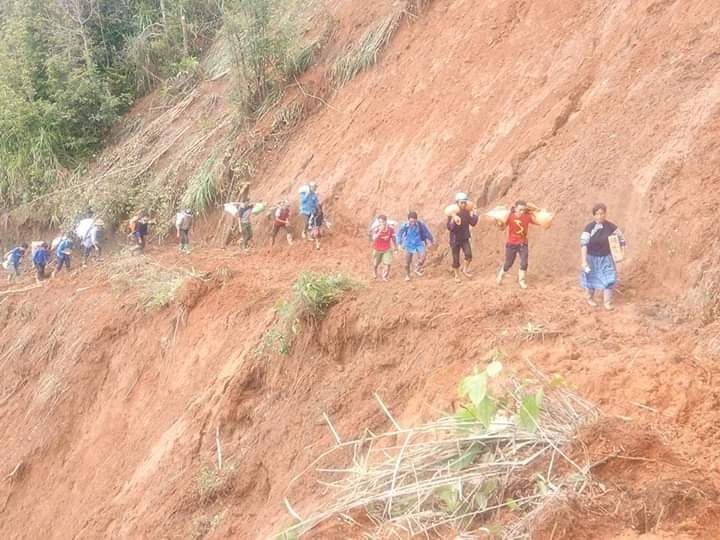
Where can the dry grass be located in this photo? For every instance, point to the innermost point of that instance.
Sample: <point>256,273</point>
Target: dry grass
<point>454,477</point>
<point>365,52</point>
<point>213,483</point>
<point>151,285</point>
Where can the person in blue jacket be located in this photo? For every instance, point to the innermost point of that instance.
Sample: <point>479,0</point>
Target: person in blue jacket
<point>12,260</point>
<point>413,236</point>
<point>309,202</point>
<point>40,259</point>
<point>62,253</point>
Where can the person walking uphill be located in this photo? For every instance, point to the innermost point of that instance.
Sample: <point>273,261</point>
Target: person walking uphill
<point>139,228</point>
<point>40,259</point>
<point>309,202</point>
<point>383,243</point>
<point>91,241</point>
<point>282,221</point>
<point>598,267</point>
<point>244,212</point>
<point>12,260</point>
<point>62,254</point>
<point>183,224</point>
<point>459,226</point>
<point>413,236</point>
<point>518,223</point>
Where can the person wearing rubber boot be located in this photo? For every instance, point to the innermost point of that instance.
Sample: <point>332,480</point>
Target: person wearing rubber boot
<point>518,223</point>
<point>459,226</point>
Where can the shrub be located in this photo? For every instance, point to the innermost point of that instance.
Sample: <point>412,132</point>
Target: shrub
<point>313,295</point>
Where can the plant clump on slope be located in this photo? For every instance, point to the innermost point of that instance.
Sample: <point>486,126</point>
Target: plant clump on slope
<point>488,468</point>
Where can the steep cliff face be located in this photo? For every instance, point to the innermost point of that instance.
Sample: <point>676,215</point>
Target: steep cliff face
<point>112,415</point>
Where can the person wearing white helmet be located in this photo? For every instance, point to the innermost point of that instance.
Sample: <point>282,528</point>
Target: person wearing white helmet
<point>309,202</point>
<point>183,224</point>
<point>459,226</point>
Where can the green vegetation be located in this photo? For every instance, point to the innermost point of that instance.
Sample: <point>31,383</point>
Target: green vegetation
<point>70,68</point>
<point>268,50</point>
<point>489,470</point>
<point>203,188</point>
<point>313,295</point>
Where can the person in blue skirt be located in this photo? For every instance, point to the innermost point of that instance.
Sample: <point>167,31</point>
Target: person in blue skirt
<point>598,266</point>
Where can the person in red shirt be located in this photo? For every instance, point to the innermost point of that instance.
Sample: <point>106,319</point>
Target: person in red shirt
<point>282,221</point>
<point>383,243</point>
<point>518,223</point>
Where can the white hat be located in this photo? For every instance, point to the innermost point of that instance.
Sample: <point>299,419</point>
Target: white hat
<point>460,196</point>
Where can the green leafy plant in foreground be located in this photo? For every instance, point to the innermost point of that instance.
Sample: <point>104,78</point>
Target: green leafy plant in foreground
<point>482,407</point>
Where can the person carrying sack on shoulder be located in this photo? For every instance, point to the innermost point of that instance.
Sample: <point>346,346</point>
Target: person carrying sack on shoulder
<point>309,202</point>
<point>91,241</point>
<point>459,226</point>
<point>12,261</point>
<point>40,259</point>
<point>63,251</point>
<point>518,223</point>
<point>183,224</point>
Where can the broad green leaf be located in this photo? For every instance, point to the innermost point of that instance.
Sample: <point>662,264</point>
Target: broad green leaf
<point>475,387</point>
<point>530,410</point>
<point>494,368</point>
<point>485,411</point>
<point>466,415</point>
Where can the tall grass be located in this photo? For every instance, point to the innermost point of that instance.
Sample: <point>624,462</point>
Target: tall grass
<point>203,188</point>
<point>365,52</point>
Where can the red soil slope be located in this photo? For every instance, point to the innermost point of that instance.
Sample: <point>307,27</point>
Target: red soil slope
<point>109,414</point>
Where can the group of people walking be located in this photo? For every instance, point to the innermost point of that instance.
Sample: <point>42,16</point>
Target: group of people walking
<point>598,260</point>
<point>311,212</point>
<point>41,255</point>
<point>598,238</point>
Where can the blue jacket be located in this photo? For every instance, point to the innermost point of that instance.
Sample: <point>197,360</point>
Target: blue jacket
<point>41,256</point>
<point>308,202</point>
<point>15,255</point>
<point>64,245</point>
<point>414,237</point>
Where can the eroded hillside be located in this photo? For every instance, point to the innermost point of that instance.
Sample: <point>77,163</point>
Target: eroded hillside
<point>112,412</point>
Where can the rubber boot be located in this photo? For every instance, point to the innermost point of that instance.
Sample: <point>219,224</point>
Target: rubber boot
<point>521,279</point>
<point>500,275</point>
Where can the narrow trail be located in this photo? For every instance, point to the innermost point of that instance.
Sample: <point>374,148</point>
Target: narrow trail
<point>113,381</point>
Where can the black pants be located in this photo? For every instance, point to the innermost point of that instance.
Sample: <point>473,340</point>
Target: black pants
<point>511,251</point>
<point>466,249</point>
